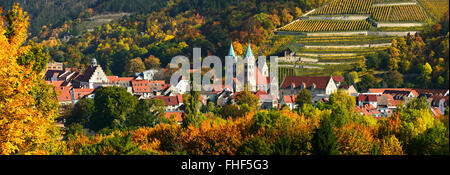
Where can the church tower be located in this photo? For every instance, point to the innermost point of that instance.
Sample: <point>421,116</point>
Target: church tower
<point>250,76</point>
<point>232,54</point>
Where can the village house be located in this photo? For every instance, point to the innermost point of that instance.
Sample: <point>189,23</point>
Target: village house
<point>369,110</point>
<point>292,85</point>
<point>289,100</point>
<point>173,103</point>
<point>364,99</point>
<point>93,77</point>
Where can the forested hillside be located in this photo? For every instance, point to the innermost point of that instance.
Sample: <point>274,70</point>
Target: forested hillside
<point>161,29</point>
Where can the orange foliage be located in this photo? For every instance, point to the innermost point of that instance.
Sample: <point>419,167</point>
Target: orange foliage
<point>24,128</point>
<point>355,139</point>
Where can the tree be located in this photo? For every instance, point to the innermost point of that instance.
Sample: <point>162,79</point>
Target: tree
<point>146,113</point>
<point>152,62</point>
<point>192,115</point>
<point>134,66</point>
<point>255,146</point>
<point>112,106</point>
<point>28,106</point>
<point>342,108</point>
<point>303,97</point>
<point>425,74</point>
<point>81,112</point>
<point>231,110</point>
<point>373,61</point>
<point>367,81</point>
<point>394,56</point>
<point>246,97</point>
<point>324,141</point>
<point>393,79</point>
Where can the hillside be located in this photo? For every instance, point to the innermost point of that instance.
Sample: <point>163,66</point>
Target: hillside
<point>163,30</point>
<point>343,32</point>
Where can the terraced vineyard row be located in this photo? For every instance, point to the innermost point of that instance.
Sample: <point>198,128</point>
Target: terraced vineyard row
<point>349,41</point>
<point>345,7</point>
<point>326,25</point>
<point>391,1</point>
<point>407,13</point>
<point>381,13</point>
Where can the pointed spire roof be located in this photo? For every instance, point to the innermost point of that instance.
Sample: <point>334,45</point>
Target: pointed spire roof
<point>231,51</point>
<point>249,52</point>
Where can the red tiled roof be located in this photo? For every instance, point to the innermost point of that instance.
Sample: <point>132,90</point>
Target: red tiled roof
<point>338,79</point>
<point>259,93</point>
<point>171,100</point>
<point>140,86</point>
<point>320,82</point>
<point>433,92</point>
<point>64,94</point>
<point>115,79</point>
<point>289,98</point>
<point>82,93</point>
<point>382,90</point>
<point>57,84</point>
<point>436,112</point>
<point>112,79</point>
<point>371,98</point>
<point>367,109</point>
<point>177,114</point>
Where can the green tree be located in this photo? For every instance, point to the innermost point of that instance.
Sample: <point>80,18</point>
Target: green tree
<point>192,115</point>
<point>81,112</point>
<point>367,81</point>
<point>143,115</point>
<point>255,146</point>
<point>112,106</point>
<point>303,98</point>
<point>324,141</point>
<point>393,79</point>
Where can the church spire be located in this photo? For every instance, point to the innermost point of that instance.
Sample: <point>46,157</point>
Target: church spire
<point>231,51</point>
<point>249,52</point>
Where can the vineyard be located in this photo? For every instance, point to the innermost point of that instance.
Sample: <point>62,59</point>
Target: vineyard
<point>326,25</point>
<point>390,1</point>
<point>345,7</point>
<point>343,32</point>
<point>381,13</point>
<point>407,13</point>
<point>436,8</point>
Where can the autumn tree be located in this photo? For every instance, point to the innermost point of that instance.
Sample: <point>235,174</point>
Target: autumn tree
<point>247,98</point>
<point>28,106</point>
<point>394,57</point>
<point>152,62</point>
<point>134,66</point>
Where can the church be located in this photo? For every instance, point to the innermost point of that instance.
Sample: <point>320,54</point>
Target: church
<point>255,78</point>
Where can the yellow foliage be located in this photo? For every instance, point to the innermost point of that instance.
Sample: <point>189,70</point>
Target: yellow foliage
<point>24,129</point>
<point>391,146</point>
<point>355,139</point>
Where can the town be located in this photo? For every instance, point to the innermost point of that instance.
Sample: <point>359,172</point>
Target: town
<point>376,102</point>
